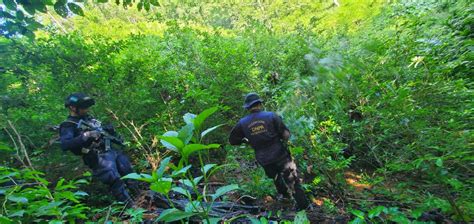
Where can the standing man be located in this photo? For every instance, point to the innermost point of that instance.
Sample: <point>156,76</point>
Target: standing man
<point>266,133</point>
<point>85,136</point>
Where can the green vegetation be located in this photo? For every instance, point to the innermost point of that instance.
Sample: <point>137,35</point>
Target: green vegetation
<point>378,96</point>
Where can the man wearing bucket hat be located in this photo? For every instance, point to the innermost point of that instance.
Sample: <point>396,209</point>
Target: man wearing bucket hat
<point>267,134</point>
<point>85,136</point>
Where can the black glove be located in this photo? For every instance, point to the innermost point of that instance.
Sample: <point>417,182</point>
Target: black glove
<point>109,128</point>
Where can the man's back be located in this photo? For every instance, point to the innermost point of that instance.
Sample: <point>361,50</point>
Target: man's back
<point>264,132</point>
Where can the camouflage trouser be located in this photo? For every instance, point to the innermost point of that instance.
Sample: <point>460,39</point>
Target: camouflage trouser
<point>287,183</point>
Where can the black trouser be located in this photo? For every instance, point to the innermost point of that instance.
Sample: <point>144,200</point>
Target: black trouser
<point>111,166</point>
<point>285,177</point>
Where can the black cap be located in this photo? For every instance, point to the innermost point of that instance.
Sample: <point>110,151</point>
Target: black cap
<point>79,100</point>
<point>251,99</point>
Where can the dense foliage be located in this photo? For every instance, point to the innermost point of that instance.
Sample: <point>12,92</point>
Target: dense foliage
<point>377,92</point>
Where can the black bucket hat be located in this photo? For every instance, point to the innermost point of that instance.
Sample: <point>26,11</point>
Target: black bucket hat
<point>251,99</point>
<point>79,100</point>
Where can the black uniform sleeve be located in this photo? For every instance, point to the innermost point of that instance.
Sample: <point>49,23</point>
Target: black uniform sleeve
<point>236,135</point>
<point>71,142</point>
<point>279,125</point>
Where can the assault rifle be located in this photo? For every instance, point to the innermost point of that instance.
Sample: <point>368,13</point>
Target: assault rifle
<point>105,133</point>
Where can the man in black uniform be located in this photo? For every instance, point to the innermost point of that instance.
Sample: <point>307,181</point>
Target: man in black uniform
<point>267,134</point>
<point>94,145</point>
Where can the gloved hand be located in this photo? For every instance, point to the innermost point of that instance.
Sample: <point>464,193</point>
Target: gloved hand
<point>109,128</point>
<point>90,134</point>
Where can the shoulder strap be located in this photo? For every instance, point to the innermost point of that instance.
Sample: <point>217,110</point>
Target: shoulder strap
<point>67,123</point>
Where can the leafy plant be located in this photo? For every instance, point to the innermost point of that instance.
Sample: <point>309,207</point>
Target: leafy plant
<point>300,218</point>
<point>183,143</point>
<point>378,87</point>
<point>19,15</point>
<point>380,214</point>
<point>26,196</point>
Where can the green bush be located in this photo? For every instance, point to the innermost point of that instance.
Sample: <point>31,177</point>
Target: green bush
<point>26,197</point>
<point>381,88</point>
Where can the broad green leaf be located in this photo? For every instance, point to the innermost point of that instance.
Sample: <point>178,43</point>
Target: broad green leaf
<point>80,193</point>
<point>207,167</point>
<point>173,214</point>
<point>81,181</point>
<point>190,183</point>
<point>196,180</point>
<point>189,149</point>
<point>163,164</point>
<point>207,131</point>
<point>213,146</point>
<point>140,6</point>
<point>10,4</point>
<point>199,120</point>
<point>5,220</point>
<point>186,133</point>
<point>76,9</point>
<point>39,6</point>
<point>187,182</point>
<point>60,8</point>
<point>172,143</point>
<point>21,200</point>
<point>147,5</point>
<point>223,190</point>
<point>171,133</point>
<point>162,185</point>
<point>17,214</point>
<point>181,191</point>
<point>376,211</point>
<point>167,144</point>
<point>140,177</point>
<point>189,118</point>
<point>439,162</point>
<point>4,147</point>
<point>358,213</point>
<point>181,171</point>
<point>155,2</point>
